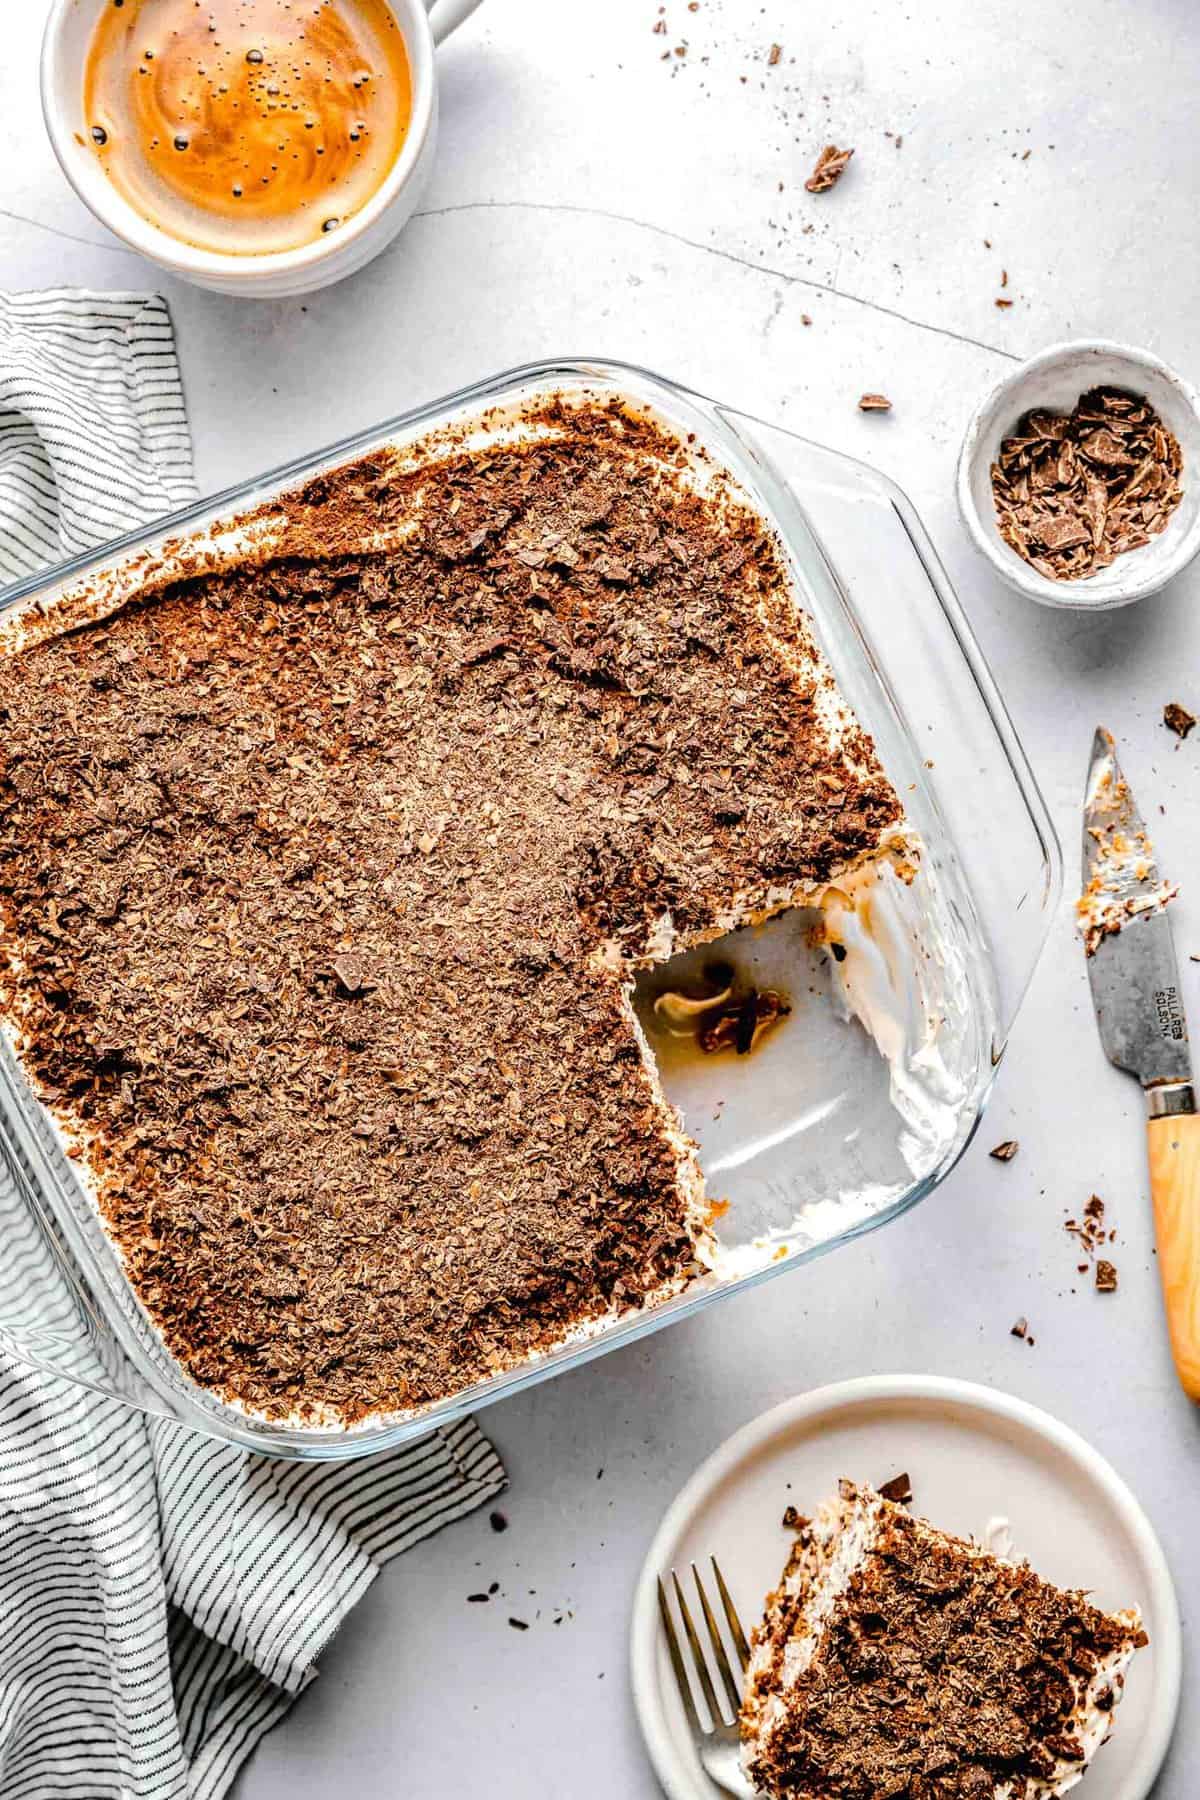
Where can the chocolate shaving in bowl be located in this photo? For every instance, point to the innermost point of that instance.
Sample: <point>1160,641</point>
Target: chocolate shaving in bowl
<point>830,167</point>
<point>1074,491</point>
<point>898,1489</point>
<point>1177,718</point>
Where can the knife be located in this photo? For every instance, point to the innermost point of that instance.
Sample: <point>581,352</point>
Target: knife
<point>1139,1012</point>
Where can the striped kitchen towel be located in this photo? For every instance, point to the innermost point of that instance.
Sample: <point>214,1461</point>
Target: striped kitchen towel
<point>163,1597</point>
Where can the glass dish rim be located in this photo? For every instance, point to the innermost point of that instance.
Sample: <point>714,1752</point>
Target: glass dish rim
<point>189,1403</point>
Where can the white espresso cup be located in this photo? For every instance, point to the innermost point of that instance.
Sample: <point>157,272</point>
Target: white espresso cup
<point>276,273</point>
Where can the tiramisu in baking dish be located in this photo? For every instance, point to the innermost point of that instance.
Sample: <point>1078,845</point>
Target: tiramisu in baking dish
<point>333,841</point>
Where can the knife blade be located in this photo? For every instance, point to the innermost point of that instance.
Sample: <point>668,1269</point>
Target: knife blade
<point>1138,1002</point>
<point>1127,932</point>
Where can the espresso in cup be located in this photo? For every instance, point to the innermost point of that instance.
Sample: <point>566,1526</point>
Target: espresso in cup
<point>247,126</point>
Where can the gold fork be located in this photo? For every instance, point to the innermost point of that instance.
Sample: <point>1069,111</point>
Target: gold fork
<point>717,1743</point>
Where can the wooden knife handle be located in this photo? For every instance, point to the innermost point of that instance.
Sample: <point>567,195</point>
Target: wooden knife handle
<point>1175,1185</point>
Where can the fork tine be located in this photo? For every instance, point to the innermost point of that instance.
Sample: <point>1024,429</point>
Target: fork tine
<point>734,1623</point>
<point>676,1655</point>
<point>726,1673</point>
<point>701,1667</point>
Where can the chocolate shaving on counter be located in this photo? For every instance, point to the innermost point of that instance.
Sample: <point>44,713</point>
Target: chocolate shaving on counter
<point>829,169</point>
<point>1090,1230</point>
<point>321,877</point>
<point>940,1674</point>
<point>898,1490</point>
<point>1020,1329</point>
<point>1177,718</point>
<point>874,403</point>
<point>1106,1277</point>
<point>1006,1151</point>
<point>776,51</point>
<point>1074,491</point>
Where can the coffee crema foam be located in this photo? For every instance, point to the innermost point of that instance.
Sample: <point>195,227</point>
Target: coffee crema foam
<point>247,126</point>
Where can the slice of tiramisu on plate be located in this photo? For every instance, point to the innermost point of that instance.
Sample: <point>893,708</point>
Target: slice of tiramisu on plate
<point>896,1662</point>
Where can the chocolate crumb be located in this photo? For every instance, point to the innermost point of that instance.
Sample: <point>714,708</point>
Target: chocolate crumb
<point>477,1599</point>
<point>898,1490</point>
<point>1177,718</point>
<point>1006,1151</point>
<point>497,1521</point>
<point>776,51</point>
<point>1092,1231</point>
<point>742,1021</point>
<point>830,167</point>
<point>1021,1328</point>
<point>793,1520</point>
<point>1106,1277</point>
<point>519,1624</point>
<point>874,403</point>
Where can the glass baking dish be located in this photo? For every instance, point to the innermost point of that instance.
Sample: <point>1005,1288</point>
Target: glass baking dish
<point>798,1141</point>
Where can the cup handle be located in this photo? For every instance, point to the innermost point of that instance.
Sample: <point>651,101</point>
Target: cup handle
<point>446,16</point>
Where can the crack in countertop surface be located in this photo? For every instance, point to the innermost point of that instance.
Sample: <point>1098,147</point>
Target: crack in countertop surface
<point>769,270</point>
<point>68,237</point>
<point>730,256</point>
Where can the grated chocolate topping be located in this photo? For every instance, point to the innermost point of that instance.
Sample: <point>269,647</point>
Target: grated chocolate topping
<point>321,878</point>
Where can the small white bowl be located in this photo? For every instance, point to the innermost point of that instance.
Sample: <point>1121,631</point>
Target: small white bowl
<point>1055,379</point>
<point>280,273</point>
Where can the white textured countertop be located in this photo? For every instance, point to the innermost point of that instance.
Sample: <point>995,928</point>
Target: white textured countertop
<point>590,197</point>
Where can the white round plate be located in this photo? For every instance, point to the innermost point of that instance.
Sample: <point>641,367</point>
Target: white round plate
<point>972,1454</point>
